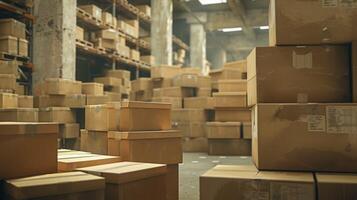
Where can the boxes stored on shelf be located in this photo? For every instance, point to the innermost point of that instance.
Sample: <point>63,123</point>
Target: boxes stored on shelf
<point>297,22</point>
<point>230,99</point>
<point>23,46</point>
<point>134,54</point>
<point>148,59</point>
<point>12,28</point>
<point>109,34</point>
<point>191,129</point>
<point>94,142</point>
<point>79,33</point>
<point>19,115</point>
<point>191,115</point>
<point>70,185</point>
<point>316,137</point>
<point>57,114</point>
<point>204,92</point>
<point>19,89</point>
<point>299,74</point>
<point>195,144</point>
<point>199,102</point>
<point>132,180</point>
<point>174,92</point>
<point>150,146</point>
<point>145,9</point>
<point>9,67</point>
<point>141,84</point>
<point>121,74</point>
<point>232,85</point>
<point>148,116</point>
<point>185,80</point>
<point>93,10</point>
<point>108,81</point>
<point>233,114</point>
<point>107,18</point>
<point>71,101</point>
<point>238,147</point>
<point>224,130</point>
<point>8,81</point>
<point>175,102</point>
<point>8,100</point>
<point>224,74</point>
<point>244,182</point>
<point>70,130</point>
<point>165,71</point>
<point>354,71</point>
<point>8,44</point>
<point>25,101</point>
<point>336,186</point>
<point>102,117</point>
<point>95,89</point>
<point>96,100</point>
<point>33,145</point>
<point>56,86</point>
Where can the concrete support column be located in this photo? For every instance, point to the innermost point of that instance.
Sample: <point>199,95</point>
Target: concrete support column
<point>218,58</point>
<point>197,45</point>
<point>54,40</point>
<point>161,31</point>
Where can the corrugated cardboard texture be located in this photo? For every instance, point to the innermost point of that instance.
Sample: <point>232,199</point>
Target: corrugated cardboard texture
<point>25,101</point>
<point>224,130</point>
<point>95,89</point>
<point>57,86</point>
<point>19,115</point>
<point>175,102</point>
<point>57,114</point>
<point>230,99</point>
<point>102,118</point>
<point>199,102</point>
<point>191,129</point>
<point>95,142</point>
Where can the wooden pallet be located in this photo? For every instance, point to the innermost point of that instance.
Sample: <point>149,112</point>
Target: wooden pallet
<point>84,43</point>
<point>88,17</point>
<point>9,56</point>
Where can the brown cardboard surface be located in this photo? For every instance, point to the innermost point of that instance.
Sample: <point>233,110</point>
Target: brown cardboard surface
<point>57,185</point>
<point>189,115</point>
<point>299,74</point>
<point>199,144</point>
<point>8,82</point>
<point>233,114</point>
<point>69,130</point>
<point>57,114</point>
<point>71,101</point>
<point>336,186</point>
<point>165,71</point>
<point>9,44</point>
<point>27,149</point>
<point>186,80</point>
<point>237,65</point>
<point>95,142</point>
<point>230,99</point>
<point>175,102</point>
<point>191,129</point>
<point>247,130</point>
<point>224,130</point>
<point>102,117</point>
<point>141,84</point>
<point>232,85</point>
<point>199,102</point>
<point>25,101</point>
<point>95,89</point>
<point>317,137</point>
<point>19,115</point>
<point>139,116</point>
<point>8,100</point>
<point>174,92</point>
<point>238,147</point>
<point>96,100</point>
<point>204,92</point>
<point>57,86</point>
<point>354,71</point>
<point>296,22</point>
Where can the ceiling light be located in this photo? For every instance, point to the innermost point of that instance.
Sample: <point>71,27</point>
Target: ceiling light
<point>264,27</point>
<point>208,2</point>
<point>234,29</point>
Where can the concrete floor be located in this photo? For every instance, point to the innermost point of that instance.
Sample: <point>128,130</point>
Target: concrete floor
<point>196,164</point>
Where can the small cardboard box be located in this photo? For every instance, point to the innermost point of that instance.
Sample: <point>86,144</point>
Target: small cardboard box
<point>56,86</point>
<point>25,101</point>
<point>95,89</point>
<point>189,115</point>
<point>247,130</point>
<point>79,33</point>
<point>33,145</point>
<point>70,185</point>
<point>70,160</point>
<point>107,18</point>
<point>245,182</point>
<point>238,147</point>
<point>121,74</point>
<point>9,67</point>
<point>19,115</point>
<point>150,146</point>
<point>230,99</point>
<point>299,75</point>
<point>23,46</point>
<point>233,115</point>
<point>204,92</point>
<point>240,65</point>
<point>94,142</point>
<point>195,144</point>
<point>191,129</point>
<point>148,116</point>
<point>113,97</point>
<point>315,137</point>
<point>199,102</point>
<point>311,22</point>
<point>109,35</point>
<point>224,130</point>
<point>165,71</point>
<point>162,82</point>
<point>67,131</point>
<point>8,82</point>
<point>132,180</point>
<point>142,95</point>
<point>226,74</point>
<point>185,80</point>
<point>232,86</point>
<point>93,10</point>
<point>175,102</point>
<point>336,186</point>
<point>141,84</point>
<point>12,28</point>
<point>57,114</point>
<point>96,100</point>
<point>174,92</point>
<point>8,100</point>
<point>8,44</point>
<point>102,117</point>
<point>108,81</point>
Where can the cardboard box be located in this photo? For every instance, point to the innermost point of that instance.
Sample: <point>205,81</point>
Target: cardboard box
<point>8,100</point>
<point>238,147</point>
<point>79,33</point>
<point>70,185</point>
<point>224,130</point>
<point>204,92</point>
<point>134,54</point>
<point>33,145</point>
<point>230,99</point>
<point>23,47</point>
<point>25,101</point>
<point>145,95</point>
<point>175,102</point>
<point>148,59</point>
<point>188,115</point>
<point>12,28</point>
<point>232,85</point>
<point>141,84</point>
<point>299,75</point>
<point>199,102</point>
<point>150,146</point>
<point>244,182</point>
<point>102,117</point>
<point>93,10</point>
<point>57,114</point>
<point>19,115</point>
<point>165,71</point>
<point>191,129</point>
<point>67,131</point>
<point>9,67</point>
<point>19,89</point>
<point>125,179</point>
<point>96,100</point>
<point>354,71</point>
<point>95,142</point>
<point>185,80</point>
<point>240,65</point>
<point>56,86</point>
<point>7,82</point>
<point>316,137</point>
<point>336,186</point>
<point>224,74</point>
<point>204,81</point>
<point>95,89</point>
<point>247,130</point>
<point>69,160</point>
<point>121,74</point>
<point>144,116</point>
<point>145,9</point>
<point>108,81</point>
<point>71,101</point>
<point>311,22</point>
<point>174,92</point>
<point>233,115</point>
<point>113,97</point>
<point>107,18</point>
<point>199,144</point>
<point>8,44</point>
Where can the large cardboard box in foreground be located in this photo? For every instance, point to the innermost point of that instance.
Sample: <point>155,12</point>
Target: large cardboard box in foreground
<point>132,180</point>
<point>333,186</point>
<point>244,182</point>
<point>306,137</point>
<point>57,114</point>
<point>296,22</point>
<point>70,185</point>
<point>315,74</point>
<point>27,149</point>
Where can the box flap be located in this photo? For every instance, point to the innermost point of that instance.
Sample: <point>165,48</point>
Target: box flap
<point>149,105</point>
<point>12,128</point>
<point>139,135</point>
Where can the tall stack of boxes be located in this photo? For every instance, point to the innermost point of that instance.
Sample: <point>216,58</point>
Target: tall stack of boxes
<point>13,37</point>
<point>303,121</point>
<point>230,133</point>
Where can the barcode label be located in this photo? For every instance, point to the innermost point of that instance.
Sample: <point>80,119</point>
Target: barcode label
<point>341,119</point>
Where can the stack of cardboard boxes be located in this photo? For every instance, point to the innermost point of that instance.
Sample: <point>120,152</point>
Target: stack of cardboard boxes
<point>230,133</point>
<point>303,120</point>
<point>13,38</point>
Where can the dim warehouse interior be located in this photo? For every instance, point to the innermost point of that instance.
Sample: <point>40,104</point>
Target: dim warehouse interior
<point>178,100</point>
